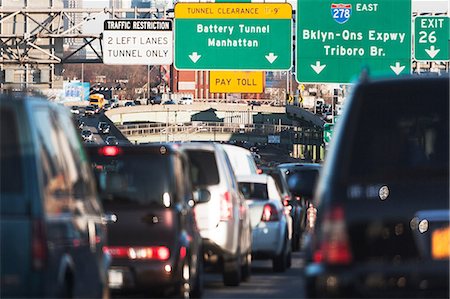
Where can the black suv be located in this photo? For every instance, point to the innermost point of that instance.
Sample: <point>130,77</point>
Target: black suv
<point>51,227</point>
<point>382,200</point>
<point>152,233</point>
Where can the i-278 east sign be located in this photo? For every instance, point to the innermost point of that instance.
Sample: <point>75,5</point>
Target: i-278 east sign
<point>233,36</point>
<point>336,39</point>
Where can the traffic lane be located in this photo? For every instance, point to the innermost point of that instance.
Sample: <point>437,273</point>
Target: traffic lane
<point>263,283</point>
<point>113,130</point>
<point>91,123</point>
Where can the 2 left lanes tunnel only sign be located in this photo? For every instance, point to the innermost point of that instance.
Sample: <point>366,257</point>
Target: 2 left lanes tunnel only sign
<point>138,41</point>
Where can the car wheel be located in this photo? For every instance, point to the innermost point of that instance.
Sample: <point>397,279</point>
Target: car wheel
<point>197,290</point>
<point>246,269</point>
<point>289,259</point>
<point>66,290</point>
<point>232,271</point>
<point>296,242</point>
<point>279,262</point>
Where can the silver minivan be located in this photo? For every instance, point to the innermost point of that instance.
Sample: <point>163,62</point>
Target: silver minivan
<point>223,221</point>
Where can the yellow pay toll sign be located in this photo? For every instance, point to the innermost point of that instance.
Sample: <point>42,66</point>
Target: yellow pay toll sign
<point>236,82</point>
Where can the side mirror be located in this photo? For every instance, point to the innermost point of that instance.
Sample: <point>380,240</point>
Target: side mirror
<point>201,195</point>
<point>303,183</point>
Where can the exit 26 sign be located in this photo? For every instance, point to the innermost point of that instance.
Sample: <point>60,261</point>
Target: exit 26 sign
<point>431,38</point>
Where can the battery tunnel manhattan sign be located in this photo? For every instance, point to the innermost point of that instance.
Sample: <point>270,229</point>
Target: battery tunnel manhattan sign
<point>335,40</point>
<point>138,41</point>
<point>233,36</point>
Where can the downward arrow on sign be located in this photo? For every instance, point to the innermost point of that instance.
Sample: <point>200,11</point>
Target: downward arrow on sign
<point>271,57</point>
<point>318,68</point>
<point>432,51</point>
<point>194,57</point>
<point>397,68</point>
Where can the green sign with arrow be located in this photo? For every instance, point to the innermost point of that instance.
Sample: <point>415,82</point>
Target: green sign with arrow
<point>431,38</point>
<point>336,39</point>
<point>233,36</point>
<point>327,132</point>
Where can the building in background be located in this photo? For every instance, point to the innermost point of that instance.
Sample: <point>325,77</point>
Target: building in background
<point>140,4</point>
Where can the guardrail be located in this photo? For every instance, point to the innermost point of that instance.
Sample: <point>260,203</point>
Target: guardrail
<point>291,133</point>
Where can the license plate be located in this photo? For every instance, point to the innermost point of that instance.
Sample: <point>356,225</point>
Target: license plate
<point>115,278</point>
<point>440,243</point>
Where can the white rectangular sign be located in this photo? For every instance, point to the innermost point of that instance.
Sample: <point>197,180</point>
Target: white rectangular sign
<point>138,41</point>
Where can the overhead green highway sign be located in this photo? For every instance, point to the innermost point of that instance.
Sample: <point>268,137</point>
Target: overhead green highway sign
<point>233,36</point>
<point>336,39</point>
<point>431,38</point>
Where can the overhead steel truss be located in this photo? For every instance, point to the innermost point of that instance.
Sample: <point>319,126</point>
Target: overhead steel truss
<point>15,48</point>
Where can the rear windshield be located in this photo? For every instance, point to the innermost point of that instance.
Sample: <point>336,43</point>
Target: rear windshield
<point>401,134</point>
<point>136,178</point>
<point>204,170</point>
<point>254,190</point>
<point>11,174</point>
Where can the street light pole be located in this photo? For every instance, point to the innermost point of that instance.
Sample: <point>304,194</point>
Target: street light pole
<point>148,82</point>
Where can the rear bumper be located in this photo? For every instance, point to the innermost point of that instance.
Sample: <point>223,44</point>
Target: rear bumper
<point>142,276</point>
<point>412,280</point>
<point>267,240</point>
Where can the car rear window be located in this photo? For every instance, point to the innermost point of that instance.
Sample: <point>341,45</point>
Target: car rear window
<point>204,170</point>
<point>254,190</point>
<point>11,173</point>
<point>401,134</point>
<point>141,178</point>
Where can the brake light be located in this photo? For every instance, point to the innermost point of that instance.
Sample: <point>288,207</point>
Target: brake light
<point>226,207</point>
<point>269,213</point>
<point>39,244</point>
<point>259,171</point>
<point>334,247</point>
<point>109,151</point>
<point>161,253</point>
<point>182,252</point>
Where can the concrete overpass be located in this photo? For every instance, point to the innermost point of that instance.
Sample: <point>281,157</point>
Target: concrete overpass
<point>219,112</point>
<point>301,131</point>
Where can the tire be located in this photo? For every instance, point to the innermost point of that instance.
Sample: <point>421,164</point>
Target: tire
<point>289,259</point>
<point>232,272</point>
<point>296,242</point>
<point>279,262</point>
<point>66,290</point>
<point>246,269</point>
<point>197,290</point>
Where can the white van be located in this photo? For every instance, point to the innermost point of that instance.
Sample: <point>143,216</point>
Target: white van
<point>242,160</point>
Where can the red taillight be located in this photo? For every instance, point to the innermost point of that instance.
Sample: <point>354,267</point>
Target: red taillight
<point>39,244</point>
<point>161,253</point>
<point>182,252</point>
<point>110,151</point>
<point>259,171</point>
<point>269,213</point>
<point>334,247</point>
<point>226,207</point>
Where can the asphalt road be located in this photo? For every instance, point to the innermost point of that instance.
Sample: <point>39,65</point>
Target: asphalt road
<point>264,283</point>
